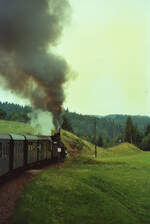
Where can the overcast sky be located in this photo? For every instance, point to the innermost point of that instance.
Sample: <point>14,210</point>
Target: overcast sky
<point>108,46</point>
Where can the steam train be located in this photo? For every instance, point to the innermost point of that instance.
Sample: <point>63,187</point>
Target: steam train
<point>19,152</point>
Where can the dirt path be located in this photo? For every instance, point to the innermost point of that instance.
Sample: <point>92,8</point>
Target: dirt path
<point>10,192</point>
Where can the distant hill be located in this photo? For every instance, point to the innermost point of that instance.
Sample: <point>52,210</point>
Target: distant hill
<point>140,121</point>
<point>110,126</point>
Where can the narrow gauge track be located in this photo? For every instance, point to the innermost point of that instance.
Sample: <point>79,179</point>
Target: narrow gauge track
<point>21,159</point>
<point>11,190</point>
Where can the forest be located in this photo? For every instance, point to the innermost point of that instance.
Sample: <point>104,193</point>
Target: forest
<point>14,112</point>
<point>110,129</point>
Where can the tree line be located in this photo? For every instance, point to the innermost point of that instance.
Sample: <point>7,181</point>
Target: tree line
<point>134,136</point>
<point>111,129</point>
<point>130,133</point>
<point>14,112</point>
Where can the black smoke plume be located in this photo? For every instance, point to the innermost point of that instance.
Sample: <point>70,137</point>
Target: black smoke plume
<point>28,31</point>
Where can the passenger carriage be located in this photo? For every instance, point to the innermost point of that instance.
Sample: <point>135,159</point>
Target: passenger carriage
<point>22,151</point>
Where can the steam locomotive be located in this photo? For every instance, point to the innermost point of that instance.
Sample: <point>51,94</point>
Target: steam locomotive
<point>19,152</point>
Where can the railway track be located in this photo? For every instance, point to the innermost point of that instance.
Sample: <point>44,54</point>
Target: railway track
<point>11,190</point>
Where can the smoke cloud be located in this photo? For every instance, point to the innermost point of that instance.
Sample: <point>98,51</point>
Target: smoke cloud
<point>28,31</point>
<point>39,122</point>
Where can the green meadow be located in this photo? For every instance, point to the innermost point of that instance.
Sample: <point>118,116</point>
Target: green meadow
<point>15,127</point>
<point>114,188</point>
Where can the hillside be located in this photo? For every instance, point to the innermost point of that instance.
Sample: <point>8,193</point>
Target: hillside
<point>121,150</point>
<point>110,126</point>
<point>140,121</point>
<point>107,190</point>
<point>75,145</point>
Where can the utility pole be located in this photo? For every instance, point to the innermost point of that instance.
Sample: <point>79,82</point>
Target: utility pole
<point>95,139</point>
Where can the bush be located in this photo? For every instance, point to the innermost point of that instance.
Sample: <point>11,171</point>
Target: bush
<point>145,144</point>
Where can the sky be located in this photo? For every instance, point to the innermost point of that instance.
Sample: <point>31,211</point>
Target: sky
<point>107,45</point>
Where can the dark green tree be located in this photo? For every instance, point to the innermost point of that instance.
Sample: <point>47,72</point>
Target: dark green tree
<point>23,116</point>
<point>147,131</point>
<point>145,144</point>
<point>137,136</point>
<point>66,124</point>
<point>14,116</point>
<point>100,141</point>
<point>3,114</point>
<point>129,131</point>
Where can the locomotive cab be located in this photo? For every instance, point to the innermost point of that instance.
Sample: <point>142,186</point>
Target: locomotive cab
<point>60,148</point>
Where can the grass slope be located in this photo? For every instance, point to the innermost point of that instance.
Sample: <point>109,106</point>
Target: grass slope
<point>112,189</point>
<point>75,145</point>
<point>121,150</point>
<point>15,127</point>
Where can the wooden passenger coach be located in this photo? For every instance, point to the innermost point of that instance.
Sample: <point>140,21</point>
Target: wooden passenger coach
<point>22,151</point>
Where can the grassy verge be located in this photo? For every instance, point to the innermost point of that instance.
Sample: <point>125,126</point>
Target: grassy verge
<point>15,127</point>
<point>113,189</point>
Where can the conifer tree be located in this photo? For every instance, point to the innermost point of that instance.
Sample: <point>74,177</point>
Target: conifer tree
<point>129,130</point>
<point>3,114</point>
<point>147,131</point>
<point>66,124</point>
<point>100,141</point>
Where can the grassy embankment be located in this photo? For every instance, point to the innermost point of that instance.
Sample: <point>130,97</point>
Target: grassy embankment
<point>15,127</point>
<point>112,189</point>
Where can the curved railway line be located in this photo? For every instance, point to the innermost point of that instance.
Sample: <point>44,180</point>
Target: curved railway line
<point>21,159</point>
<point>11,190</point>
<point>21,152</point>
